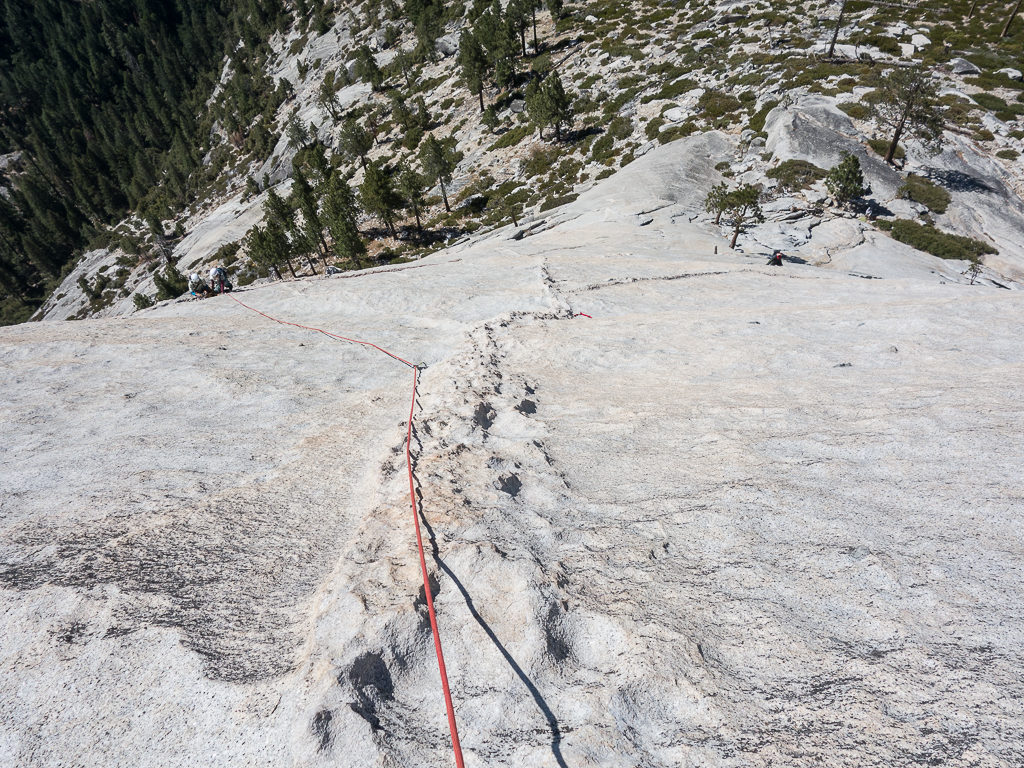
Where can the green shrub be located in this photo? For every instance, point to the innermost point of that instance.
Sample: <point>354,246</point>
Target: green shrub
<point>927,238</point>
<point>603,148</point>
<point>672,90</point>
<point>855,110</point>
<point>1008,154</point>
<point>989,101</point>
<point>554,202</point>
<point>620,127</point>
<point>677,132</point>
<point>925,192</point>
<point>142,301</point>
<point>541,64</point>
<point>796,174</point>
<point>604,174</point>
<point>881,147</point>
<point>756,122</point>
<point>170,284</point>
<point>540,160</point>
<point>653,128</point>
<point>984,135</point>
<point>511,137</point>
<point>226,255</point>
<point>716,105</point>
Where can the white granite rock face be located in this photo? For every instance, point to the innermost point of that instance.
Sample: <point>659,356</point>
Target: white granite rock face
<point>742,516</point>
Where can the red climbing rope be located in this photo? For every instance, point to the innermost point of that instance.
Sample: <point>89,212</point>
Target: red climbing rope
<point>456,746</point>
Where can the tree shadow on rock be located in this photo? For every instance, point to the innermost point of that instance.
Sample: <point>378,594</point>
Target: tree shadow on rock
<point>958,181</point>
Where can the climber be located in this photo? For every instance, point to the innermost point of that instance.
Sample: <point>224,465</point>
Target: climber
<point>219,280</point>
<point>198,286</point>
<point>776,259</point>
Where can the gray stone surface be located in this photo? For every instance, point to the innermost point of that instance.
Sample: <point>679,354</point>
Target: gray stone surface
<point>963,67</point>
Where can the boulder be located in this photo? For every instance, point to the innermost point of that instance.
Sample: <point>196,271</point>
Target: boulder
<point>675,114</point>
<point>1010,72</point>
<point>448,45</point>
<point>907,50</point>
<point>814,129</point>
<point>921,41</point>
<point>963,67</point>
<point>517,106</point>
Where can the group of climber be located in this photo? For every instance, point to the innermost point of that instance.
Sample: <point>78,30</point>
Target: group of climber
<point>219,283</point>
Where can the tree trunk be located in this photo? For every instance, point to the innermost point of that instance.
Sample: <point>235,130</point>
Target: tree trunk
<point>515,221</point>
<point>522,39</point>
<point>312,266</point>
<point>718,217</point>
<point>736,231</point>
<point>480,93</point>
<point>416,213</point>
<point>835,34</point>
<point>558,131</point>
<point>1009,20</point>
<point>444,195</point>
<point>536,48</point>
<point>891,154</point>
<point>362,159</point>
<point>276,271</point>
<point>290,267</point>
<point>974,7</point>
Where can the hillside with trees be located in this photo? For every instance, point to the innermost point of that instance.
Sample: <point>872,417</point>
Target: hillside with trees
<point>127,124</point>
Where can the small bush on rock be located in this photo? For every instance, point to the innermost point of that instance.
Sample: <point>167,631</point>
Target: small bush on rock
<point>923,191</point>
<point>794,175</point>
<point>927,238</point>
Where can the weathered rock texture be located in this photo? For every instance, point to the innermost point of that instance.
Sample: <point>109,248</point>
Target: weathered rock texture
<point>742,516</point>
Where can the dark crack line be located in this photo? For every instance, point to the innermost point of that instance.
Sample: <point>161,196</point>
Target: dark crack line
<point>542,705</point>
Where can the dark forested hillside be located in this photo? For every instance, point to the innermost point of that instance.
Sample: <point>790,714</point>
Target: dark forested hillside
<point>103,100</point>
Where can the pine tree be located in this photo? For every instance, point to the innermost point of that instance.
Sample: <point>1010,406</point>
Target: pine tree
<point>412,188</point>
<point>490,118</point>
<point>378,196</point>
<point>846,180</point>
<point>517,12</point>
<point>439,160</point>
<point>327,99</point>
<point>281,215</point>
<point>742,205</point>
<point>473,64</point>
<point>339,216</point>
<point>298,132</point>
<point>559,105</point>
<point>534,6</point>
<point>354,142</point>
<point>312,227</point>
<point>366,68</point>
<point>715,201</point>
<point>494,31</point>
<point>908,105</point>
<point>538,106</point>
<point>268,247</point>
